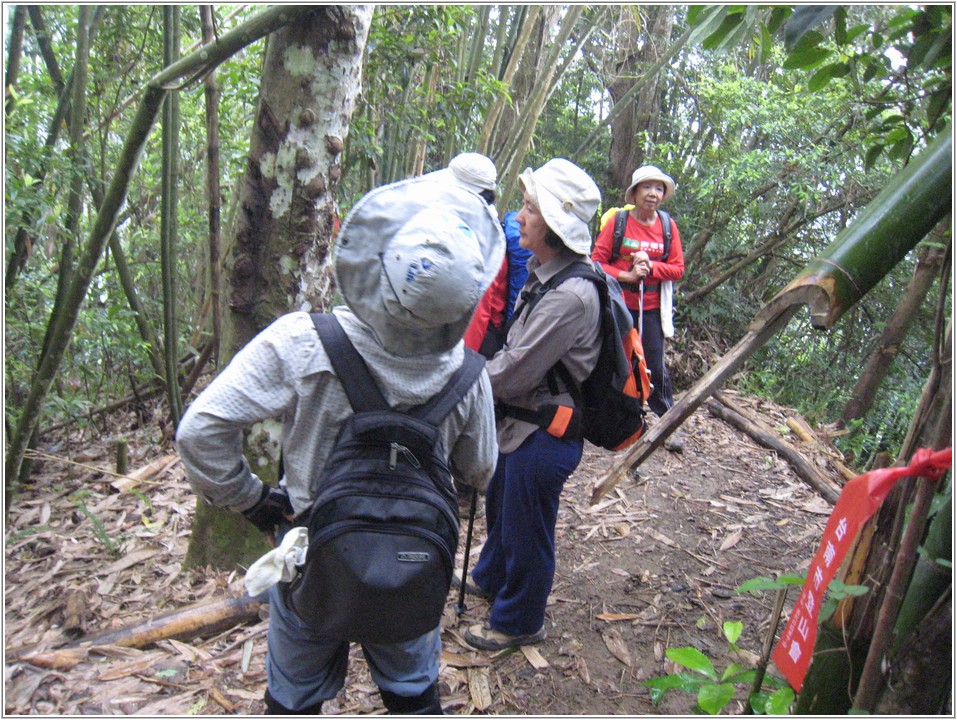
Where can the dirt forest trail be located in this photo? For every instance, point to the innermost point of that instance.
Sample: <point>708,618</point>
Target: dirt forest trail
<point>654,565</point>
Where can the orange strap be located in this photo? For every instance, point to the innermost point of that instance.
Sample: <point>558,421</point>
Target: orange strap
<point>559,423</point>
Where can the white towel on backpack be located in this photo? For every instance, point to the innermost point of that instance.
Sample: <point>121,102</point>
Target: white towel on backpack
<point>279,564</point>
<point>667,295</point>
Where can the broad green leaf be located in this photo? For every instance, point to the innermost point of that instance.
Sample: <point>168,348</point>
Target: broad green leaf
<point>733,630</point>
<point>675,681</point>
<point>901,149</point>
<point>803,20</point>
<point>874,66</point>
<point>840,26</point>
<point>754,585</point>
<point>839,69</point>
<point>819,79</point>
<point>693,659</point>
<point>713,698</point>
<point>806,58</point>
<point>780,701</point>
<point>779,15</point>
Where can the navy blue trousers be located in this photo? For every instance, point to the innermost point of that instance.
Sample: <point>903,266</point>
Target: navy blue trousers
<point>517,563</point>
<point>653,343</point>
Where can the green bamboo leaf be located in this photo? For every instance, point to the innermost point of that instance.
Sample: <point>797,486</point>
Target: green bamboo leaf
<point>693,659</point>
<point>728,26</point>
<point>713,698</point>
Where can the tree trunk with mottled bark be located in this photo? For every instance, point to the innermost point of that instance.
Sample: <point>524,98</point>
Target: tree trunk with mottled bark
<point>283,234</point>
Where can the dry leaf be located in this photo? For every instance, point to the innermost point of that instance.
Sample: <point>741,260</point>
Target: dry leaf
<point>534,657</point>
<point>818,506</point>
<point>660,538</point>
<point>479,689</point>
<point>732,540</point>
<point>222,700</point>
<point>126,669</point>
<point>617,647</point>
<point>64,659</point>
<point>583,670</point>
<point>134,558</point>
<point>614,617</point>
<point>192,654</point>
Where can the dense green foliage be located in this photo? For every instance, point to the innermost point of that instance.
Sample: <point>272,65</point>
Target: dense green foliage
<point>775,147</point>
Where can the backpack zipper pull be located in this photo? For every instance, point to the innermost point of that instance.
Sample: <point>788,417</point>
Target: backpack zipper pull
<point>394,450</point>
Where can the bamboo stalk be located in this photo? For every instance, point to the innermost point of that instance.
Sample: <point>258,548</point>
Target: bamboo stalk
<point>191,66</point>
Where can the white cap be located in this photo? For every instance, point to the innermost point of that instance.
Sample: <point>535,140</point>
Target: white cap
<point>475,171</point>
<point>567,198</point>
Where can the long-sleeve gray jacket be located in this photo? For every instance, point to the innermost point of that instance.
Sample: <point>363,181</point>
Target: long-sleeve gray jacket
<point>563,327</point>
<point>285,374</point>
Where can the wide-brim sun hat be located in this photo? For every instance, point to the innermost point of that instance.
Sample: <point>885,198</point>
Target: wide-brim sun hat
<point>567,197</point>
<point>649,172</point>
<point>412,261</point>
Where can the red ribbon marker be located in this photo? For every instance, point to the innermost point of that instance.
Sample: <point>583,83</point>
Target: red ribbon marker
<point>860,498</point>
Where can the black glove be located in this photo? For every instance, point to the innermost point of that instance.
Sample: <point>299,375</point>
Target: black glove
<point>271,510</point>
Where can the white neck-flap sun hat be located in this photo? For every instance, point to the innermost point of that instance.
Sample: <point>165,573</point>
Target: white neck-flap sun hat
<point>567,198</point>
<point>413,259</point>
<point>649,172</point>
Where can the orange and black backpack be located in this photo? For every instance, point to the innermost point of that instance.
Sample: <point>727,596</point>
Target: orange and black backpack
<point>609,404</point>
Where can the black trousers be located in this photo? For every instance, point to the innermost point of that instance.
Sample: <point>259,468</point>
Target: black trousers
<point>653,343</point>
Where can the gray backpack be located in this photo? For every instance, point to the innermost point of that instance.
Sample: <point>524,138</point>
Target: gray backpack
<point>384,526</point>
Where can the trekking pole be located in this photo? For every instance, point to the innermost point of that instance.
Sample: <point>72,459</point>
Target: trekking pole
<point>460,605</point>
<point>641,305</point>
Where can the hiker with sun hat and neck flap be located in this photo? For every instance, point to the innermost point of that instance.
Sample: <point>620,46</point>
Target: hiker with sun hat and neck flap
<point>412,260</point>
<point>517,564</point>
<point>647,275</point>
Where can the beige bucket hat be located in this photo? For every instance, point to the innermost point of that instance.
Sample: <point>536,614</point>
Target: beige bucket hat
<point>567,198</point>
<point>413,259</point>
<point>649,172</point>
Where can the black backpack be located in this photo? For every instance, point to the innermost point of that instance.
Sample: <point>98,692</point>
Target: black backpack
<point>609,403</point>
<point>384,526</point>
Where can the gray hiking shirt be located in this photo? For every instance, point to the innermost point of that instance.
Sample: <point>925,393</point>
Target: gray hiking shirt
<point>564,326</point>
<point>284,374</point>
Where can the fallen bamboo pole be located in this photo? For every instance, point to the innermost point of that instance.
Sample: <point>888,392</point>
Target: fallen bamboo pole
<point>193,621</point>
<point>724,410</point>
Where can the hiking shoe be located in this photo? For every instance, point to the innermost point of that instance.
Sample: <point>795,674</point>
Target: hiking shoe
<point>484,637</point>
<point>470,587</point>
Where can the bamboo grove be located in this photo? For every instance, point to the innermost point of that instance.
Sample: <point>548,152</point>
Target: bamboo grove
<point>775,148</point>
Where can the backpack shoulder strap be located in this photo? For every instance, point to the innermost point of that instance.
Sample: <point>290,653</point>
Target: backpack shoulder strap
<point>666,233</point>
<point>441,404</point>
<point>621,220</point>
<point>351,370</point>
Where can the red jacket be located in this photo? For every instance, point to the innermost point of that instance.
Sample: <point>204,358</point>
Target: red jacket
<point>641,237</point>
<point>491,308</point>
